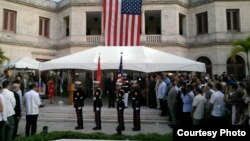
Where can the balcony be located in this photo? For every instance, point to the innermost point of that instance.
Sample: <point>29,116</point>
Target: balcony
<point>147,39</point>
<point>93,39</point>
<point>152,39</point>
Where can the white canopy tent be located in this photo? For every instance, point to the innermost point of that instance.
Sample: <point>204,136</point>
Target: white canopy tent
<point>140,58</point>
<point>25,63</point>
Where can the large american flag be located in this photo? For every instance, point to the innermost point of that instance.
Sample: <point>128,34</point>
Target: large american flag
<point>122,22</point>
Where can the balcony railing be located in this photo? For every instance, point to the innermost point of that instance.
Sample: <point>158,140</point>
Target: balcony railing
<point>93,39</point>
<point>96,39</point>
<point>153,38</point>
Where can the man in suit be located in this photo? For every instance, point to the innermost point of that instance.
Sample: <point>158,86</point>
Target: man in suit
<point>79,98</point>
<point>110,89</point>
<point>172,94</point>
<point>17,116</point>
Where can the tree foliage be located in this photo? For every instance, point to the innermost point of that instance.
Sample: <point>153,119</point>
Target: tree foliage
<point>241,46</point>
<point>3,58</point>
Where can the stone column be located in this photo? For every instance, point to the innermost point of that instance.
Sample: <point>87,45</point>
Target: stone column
<point>143,37</point>
<point>84,26</point>
<point>143,22</point>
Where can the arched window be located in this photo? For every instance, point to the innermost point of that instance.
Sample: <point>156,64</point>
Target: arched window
<point>237,68</point>
<point>208,63</point>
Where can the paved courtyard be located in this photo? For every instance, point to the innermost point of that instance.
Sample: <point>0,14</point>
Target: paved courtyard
<point>107,128</point>
<point>62,118</point>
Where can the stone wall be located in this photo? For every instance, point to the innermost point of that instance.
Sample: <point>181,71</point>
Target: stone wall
<point>216,44</point>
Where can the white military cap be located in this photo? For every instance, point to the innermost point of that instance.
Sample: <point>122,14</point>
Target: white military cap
<point>78,82</point>
<point>119,83</point>
<point>133,81</point>
<point>96,82</point>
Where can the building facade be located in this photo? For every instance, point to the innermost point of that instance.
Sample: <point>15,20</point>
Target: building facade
<point>201,30</point>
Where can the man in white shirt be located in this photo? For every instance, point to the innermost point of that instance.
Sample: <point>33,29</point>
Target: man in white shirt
<point>10,103</point>
<point>161,95</point>
<point>3,118</point>
<point>32,102</point>
<point>217,106</point>
<point>187,97</point>
<point>198,108</point>
<point>1,105</point>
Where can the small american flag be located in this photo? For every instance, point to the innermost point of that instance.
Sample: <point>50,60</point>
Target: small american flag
<point>122,22</point>
<point>120,71</point>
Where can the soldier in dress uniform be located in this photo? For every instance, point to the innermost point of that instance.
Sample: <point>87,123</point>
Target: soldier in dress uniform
<point>120,109</point>
<point>136,97</point>
<point>97,105</point>
<point>78,99</point>
<point>126,89</point>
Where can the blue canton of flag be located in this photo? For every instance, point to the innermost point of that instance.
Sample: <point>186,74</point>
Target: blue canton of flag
<point>122,22</point>
<point>131,7</point>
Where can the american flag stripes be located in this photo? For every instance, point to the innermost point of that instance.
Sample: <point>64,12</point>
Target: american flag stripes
<point>122,22</point>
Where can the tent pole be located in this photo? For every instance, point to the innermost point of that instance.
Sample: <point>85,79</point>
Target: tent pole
<point>14,73</point>
<point>68,77</point>
<point>56,83</point>
<point>146,89</point>
<point>39,80</point>
<point>93,82</point>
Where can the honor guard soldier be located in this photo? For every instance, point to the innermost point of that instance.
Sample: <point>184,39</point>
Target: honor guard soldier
<point>136,106</point>
<point>120,109</point>
<point>97,105</point>
<point>78,99</point>
<point>126,89</point>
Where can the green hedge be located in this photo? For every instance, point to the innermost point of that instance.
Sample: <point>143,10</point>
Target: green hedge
<point>77,135</point>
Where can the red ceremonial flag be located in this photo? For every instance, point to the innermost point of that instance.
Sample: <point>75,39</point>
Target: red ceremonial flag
<point>98,71</point>
<point>122,22</point>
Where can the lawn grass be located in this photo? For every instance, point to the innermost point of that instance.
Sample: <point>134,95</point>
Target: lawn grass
<point>77,135</point>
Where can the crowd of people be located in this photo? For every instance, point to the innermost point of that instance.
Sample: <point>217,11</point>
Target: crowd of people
<point>12,97</point>
<point>187,99</point>
<point>192,99</point>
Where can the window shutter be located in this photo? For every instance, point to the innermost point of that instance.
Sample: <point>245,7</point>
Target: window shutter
<point>199,24</point>
<point>228,20</point>
<point>235,20</point>
<point>12,21</point>
<point>15,15</point>
<point>40,27</point>
<point>46,27</point>
<point>5,22</point>
<point>205,23</point>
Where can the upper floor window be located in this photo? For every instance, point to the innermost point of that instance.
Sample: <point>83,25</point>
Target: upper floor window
<point>182,24</point>
<point>233,20</point>
<point>153,22</point>
<point>94,23</point>
<point>202,23</point>
<point>66,26</point>
<point>9,21</point>
<point>44,27</point>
